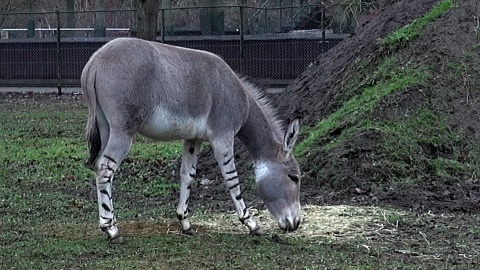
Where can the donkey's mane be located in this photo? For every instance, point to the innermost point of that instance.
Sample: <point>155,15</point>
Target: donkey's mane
<point>265,105</point>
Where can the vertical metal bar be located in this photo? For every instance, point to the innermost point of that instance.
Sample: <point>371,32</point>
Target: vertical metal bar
<point>265,22</point>
<point>242,51</point>
<point>162,33</point>
<point>59,57</point>
<point>324,49</point>
<point>280,20</point>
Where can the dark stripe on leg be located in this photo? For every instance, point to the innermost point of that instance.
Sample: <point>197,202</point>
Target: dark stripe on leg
<point>108,168</point>
<point>232,178</point>
<point>234,186</point>
<point>106,207</point>
<point>109,219</point>
<point>243,219</point>
<point>228,161</point>
<point>230,172</point>
<point>239,197</point>
<point>192,175</point>
<point>111,159</point>
<point>106,193</point>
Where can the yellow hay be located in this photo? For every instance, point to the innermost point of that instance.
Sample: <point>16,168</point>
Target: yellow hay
<point>330,222</point>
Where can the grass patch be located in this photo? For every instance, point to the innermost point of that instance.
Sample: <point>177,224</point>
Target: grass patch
<point>412,30</point>
<point>365,90</point>
<point>342,236</point>
<point>419,145</point>
<point>385,80</point>
<point>49,217</point>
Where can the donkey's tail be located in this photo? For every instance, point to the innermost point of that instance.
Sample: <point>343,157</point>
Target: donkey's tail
<point>92,130</point>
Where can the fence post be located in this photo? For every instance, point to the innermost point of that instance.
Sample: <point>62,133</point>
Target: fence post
<point>323,31</point>
<point>59,57</point>
<point>242,56</point>
<point>162,29</point>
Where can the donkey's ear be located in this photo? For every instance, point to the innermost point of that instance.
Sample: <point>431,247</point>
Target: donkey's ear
<point>291,136</point>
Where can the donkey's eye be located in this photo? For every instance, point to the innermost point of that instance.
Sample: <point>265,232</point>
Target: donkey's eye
<point>295,178</point>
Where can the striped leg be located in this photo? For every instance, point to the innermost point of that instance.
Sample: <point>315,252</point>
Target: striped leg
<point>188,169</point>
<point>106,166</point>
<point>224,155</point>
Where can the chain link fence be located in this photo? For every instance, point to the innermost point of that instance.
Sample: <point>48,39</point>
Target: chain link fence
<point>270,44</point>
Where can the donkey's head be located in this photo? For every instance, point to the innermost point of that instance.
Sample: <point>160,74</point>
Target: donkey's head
<point>278,182</point>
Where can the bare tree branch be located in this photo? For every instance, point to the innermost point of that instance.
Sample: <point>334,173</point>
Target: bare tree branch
<point>6,8</point>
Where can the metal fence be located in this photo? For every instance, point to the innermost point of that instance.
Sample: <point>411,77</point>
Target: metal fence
<point>271,44</point>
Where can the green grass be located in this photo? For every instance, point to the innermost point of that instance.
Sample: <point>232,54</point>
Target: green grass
<point>412,30</point>
<point>48,215</point>
<point>176,252</point>
<point>385,80</point>
<point>420,145</point>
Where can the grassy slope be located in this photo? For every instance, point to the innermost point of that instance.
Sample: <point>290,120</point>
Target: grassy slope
<point>401,150</point>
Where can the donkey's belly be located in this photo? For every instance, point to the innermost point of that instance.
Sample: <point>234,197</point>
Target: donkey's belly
<point>164,126</point>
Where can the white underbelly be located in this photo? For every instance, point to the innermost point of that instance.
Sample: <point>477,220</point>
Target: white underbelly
<point>164,126</point>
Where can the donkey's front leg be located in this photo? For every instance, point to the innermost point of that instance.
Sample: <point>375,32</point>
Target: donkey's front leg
<point>223,150</point>
<point>188,169</point>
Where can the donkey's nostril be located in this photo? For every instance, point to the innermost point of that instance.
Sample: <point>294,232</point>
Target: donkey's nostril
<point>297,222</point>
<point>289,224</point>
<point>292,225</point>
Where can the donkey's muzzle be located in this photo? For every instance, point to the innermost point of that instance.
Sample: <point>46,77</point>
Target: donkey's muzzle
<point>289,225</point>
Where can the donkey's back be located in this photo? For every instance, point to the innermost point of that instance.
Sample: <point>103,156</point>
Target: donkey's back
<point>164,92</point>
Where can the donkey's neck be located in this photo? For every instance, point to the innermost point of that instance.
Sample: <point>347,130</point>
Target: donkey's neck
<point>261,133</point>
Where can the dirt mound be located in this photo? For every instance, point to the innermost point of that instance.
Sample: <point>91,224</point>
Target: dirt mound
<point>358,168</point>
<point>415,146</point>
<point>312,93</point>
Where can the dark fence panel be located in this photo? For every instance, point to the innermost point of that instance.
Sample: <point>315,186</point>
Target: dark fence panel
<point>270,44</point>
<point>34,63</point>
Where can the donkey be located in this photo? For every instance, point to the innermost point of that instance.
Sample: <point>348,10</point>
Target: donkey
<point>171,93</point>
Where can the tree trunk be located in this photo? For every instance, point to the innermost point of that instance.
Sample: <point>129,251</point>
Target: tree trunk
<point>147,14</point>
<point>5,9</point>
<point>99,27</point>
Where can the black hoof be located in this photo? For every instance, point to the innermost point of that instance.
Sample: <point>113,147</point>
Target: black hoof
<point>117,239</point>
<point>257,231</point>
<point>189,232</point>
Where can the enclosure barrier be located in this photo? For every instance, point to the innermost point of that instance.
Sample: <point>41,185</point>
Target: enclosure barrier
<point>273,45</point>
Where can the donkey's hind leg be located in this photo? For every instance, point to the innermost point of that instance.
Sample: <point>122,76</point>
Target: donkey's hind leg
<point>107,163</point>
<point>223,150</point>
<point>188,169</point>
